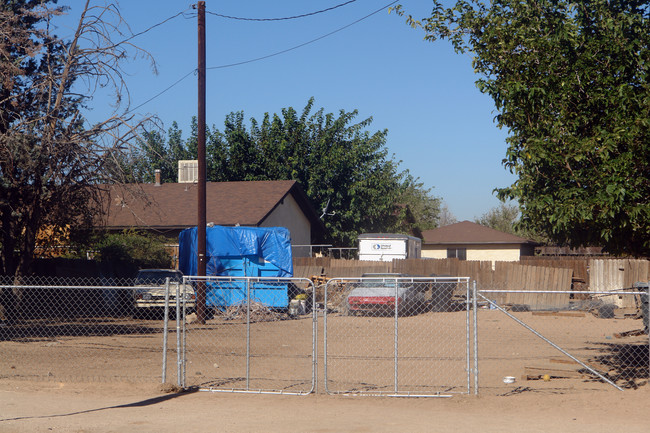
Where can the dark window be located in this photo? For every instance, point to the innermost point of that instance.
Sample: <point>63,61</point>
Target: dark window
<point>457,253</point>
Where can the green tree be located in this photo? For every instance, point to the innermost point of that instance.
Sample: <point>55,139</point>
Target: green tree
<point>157,152</point>
<point>344,169</point>
<point>129,251</point>
<point>570,81</point>
<point>51,162</point>
<point>503,218</point>
<point>419,209</point>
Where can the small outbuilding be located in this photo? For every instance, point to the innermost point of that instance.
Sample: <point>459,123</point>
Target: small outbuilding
<point>470,241</point>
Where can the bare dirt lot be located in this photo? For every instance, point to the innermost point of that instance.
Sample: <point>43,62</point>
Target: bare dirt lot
<point>52,407</point>
<point>104,376</point>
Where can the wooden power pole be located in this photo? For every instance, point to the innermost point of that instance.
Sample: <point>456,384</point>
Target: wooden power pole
<point>201,223</point>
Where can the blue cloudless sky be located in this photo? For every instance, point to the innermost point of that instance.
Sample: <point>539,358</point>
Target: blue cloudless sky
<point>439,125</point>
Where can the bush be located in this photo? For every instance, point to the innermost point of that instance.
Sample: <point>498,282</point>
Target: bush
<point>131,250</point>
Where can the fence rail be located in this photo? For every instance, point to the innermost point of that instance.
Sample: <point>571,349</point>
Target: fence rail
<point>387,335</point>
<point>579,339</point>
<point>255,339</point>
<point>77,330</point>
<point>381,335</point>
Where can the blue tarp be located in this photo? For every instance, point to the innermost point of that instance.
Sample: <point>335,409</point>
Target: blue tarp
<point>269,247</point>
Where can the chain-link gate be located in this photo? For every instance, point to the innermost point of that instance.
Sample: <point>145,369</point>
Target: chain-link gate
<point>528,338</point>
<point>259,336</point>
<point>386,334</point>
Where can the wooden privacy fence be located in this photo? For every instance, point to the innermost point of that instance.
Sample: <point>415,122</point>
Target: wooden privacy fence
<point>324,266</point>
<point>523,278</point>
<point>504,276</point>
<point>617,274</point>
<point>580,266</point>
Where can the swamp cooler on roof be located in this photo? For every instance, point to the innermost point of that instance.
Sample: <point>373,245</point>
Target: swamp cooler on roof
<point>241,252</point>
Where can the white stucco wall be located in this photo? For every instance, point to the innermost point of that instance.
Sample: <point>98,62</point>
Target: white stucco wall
<point>433,253</point>
<point>510,254</point>
<point>288,214</point>
<point>493,253</point>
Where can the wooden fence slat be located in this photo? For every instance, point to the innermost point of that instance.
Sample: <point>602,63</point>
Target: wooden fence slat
<point>529,274</point>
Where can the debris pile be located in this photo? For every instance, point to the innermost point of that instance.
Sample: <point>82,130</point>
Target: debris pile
<point>259,312</point>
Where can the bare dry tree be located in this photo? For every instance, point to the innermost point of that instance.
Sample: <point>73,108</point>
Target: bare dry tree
<point>53,163</point>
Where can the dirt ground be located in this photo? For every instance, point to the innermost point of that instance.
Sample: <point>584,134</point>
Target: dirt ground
<point>83,379</point>
<point>52,407</point>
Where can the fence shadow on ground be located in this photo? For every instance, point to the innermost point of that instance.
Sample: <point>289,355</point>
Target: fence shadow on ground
<point>47,330</point>
<point>627,363</point>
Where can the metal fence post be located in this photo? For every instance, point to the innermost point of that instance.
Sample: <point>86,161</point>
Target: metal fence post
<point>475,314</point>
<point>396,337</point>
<point>184,337</point>
<point>179,372</point>
<point>468,358</point>
<point>325,363</point>
<point>314,336</point>
<point>165,331</point>
<point>248,333</point>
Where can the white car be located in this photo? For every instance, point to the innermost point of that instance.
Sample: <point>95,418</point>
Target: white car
<point>149,291</point>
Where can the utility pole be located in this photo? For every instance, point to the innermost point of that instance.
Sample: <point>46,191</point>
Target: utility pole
<point>201,235</point>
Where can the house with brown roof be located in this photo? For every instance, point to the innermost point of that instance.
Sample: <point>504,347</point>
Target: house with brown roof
<point>470,241</point>
<point>168,208</point>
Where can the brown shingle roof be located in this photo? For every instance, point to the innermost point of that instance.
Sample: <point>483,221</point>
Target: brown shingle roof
<point>174,205</point>
<point>467,232</point>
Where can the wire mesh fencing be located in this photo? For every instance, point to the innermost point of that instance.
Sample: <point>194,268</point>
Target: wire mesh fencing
<point>259,335</point>
<point>81,330</point>
<point>392,335</point>
<point>561,340</point>
<point>382,335</point>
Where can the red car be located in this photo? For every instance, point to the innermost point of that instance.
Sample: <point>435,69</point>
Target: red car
<point>383,293</point>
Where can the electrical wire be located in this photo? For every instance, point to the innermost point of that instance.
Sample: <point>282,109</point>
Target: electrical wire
<point>193,71</point>
<point>230,65</point>
<point>135,35</point>
<point>283,18</point>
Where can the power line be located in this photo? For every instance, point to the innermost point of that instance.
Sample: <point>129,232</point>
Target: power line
<point>230,65</point>
<point>193,71</point>
<point>283,18</point>
<point>135,35</point>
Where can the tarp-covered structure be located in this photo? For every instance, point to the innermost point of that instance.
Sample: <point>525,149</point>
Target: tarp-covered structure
<point>241,252</point>
<point>273,244</point>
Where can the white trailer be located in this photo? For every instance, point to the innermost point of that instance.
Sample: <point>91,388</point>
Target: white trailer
<point>384,247</point>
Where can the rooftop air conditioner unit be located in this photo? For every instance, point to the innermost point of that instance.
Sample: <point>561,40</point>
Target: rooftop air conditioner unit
<point>188,171</point>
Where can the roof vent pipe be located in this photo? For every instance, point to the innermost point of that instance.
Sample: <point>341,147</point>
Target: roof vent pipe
<point>157,174</point>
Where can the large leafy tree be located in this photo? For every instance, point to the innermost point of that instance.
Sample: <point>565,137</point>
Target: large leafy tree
<point>570,83</point>
<point>344,169</point>
<point>52,162</point>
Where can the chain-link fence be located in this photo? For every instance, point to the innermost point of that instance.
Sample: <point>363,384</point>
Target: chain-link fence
<point>393,335</point>
<point>259,335</point>
<point>382,334</point>
<point>562,340</point>
<point>82,329</point>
